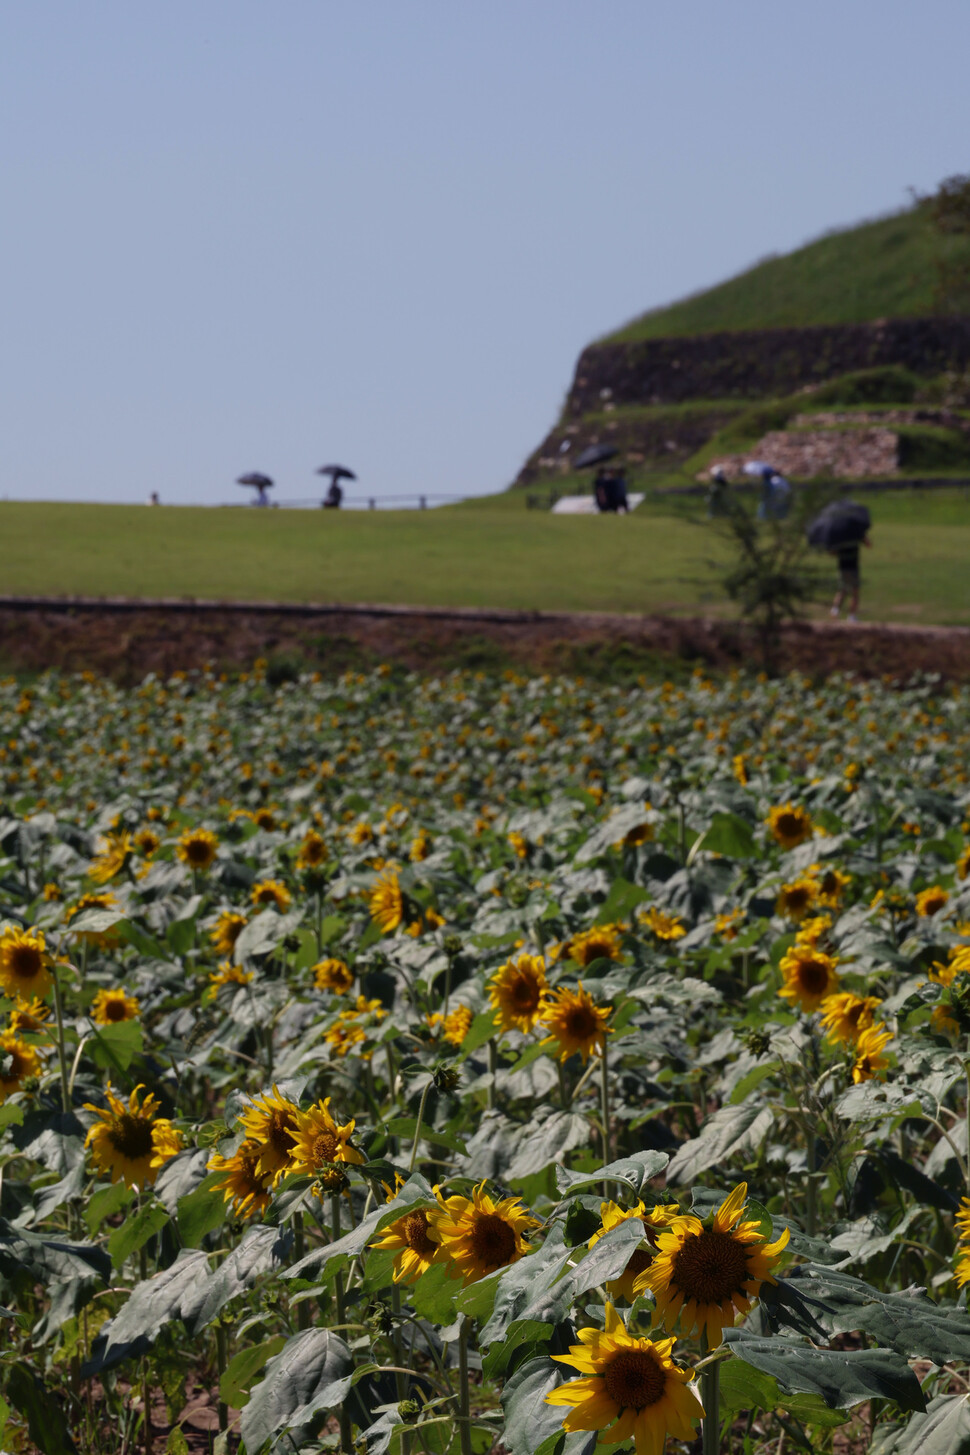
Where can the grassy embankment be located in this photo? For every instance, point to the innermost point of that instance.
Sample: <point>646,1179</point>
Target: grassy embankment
<point>491,553</point>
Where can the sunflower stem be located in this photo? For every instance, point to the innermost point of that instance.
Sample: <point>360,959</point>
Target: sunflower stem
<point>417,1129</point>
<point>464,1403</point>
<point>492,1070</point>
<point>145,1392</point>
<point>710,1399</point>
<point>811,1213</point>
<point>299,1248</point>
<point>605,1110</point>
<point>222,1359</point>
<point>346,1433</point>
<point>61,1048</point>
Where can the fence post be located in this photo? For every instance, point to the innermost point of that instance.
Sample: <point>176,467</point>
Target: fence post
<point>422,503</point>
<point>372,504</point>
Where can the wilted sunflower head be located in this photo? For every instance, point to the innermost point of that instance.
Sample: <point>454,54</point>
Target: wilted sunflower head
<point>809,977</point>
<point>131,1142</point>
<point>29,1015</point>
<point>477,1235</point>
<point>789,825</point>
<point>664,926</point>
<point>24,964</point>
<point>18,1062</point>
<point>704,1272</point>
<point>631,1389</point>
<point>575,1023</point>
<point>516,991</point>
<point>313,851</point>
<point>197,849</point>
<point>110,1006</point>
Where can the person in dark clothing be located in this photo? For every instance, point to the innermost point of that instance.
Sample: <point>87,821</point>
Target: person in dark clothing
<point>849,580</point>
<point>601,490</point>
<point>617,493</point>
<point>333,497</point>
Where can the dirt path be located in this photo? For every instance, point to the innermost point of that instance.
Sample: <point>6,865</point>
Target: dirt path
<point>128,638</point>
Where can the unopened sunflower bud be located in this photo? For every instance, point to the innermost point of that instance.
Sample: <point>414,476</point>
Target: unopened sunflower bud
<point>331,1178</point>
<point>452,946</point>
<point>446,1078</point>
<point>409,1410</point>
<point>291,943</point>
<point>380,1318</point>
<point>757,1042</point>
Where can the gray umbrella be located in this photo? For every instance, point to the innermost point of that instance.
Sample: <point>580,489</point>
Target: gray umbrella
<point>261,482</point>
<point>594,455</point>
<point>842,523</point>
<point>337,472</point>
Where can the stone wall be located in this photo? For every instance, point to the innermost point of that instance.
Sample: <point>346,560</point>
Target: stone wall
<point>764,363</point>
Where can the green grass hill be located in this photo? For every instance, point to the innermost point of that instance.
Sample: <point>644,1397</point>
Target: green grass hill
<point>887,268</point>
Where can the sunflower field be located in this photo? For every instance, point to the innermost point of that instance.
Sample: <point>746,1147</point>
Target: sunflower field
<point>438,1066</point>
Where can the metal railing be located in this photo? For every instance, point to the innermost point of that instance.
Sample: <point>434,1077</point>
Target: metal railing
<point>355,502</point>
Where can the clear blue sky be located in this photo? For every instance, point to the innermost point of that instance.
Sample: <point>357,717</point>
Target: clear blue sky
<point>246,236</point>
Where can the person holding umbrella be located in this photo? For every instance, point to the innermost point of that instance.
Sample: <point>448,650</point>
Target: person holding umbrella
<point>841,528</point>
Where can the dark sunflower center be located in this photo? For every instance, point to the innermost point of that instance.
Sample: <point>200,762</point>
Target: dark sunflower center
<point>17,1067</point>
<point>525,993</point>
<point>634,1379</point>
<point>790,824</point>
<point>595,949</point>
<point>415,1232</point>
<point>325,1147</point>
<point>197,851</point>
<point>131,1136</point>
<point>493,1240</point>
<point>797,898</point>
<point>279,1133</point>
<point>115,1010</point>
<point>710,1266</point>
<point>580,1023</point>
<point>813,976</point>
<point>26,961</point>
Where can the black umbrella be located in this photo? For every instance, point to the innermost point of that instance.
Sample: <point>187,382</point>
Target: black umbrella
<point>261,482</point>
<point>842,523</point>
<point>594,455</point>
<point>337,472</point>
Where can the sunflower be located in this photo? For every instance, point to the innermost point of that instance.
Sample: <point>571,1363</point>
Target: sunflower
<point>52,893</point>
<point>333,975</point>
<point>29,1015</point>
<point>147,842</point>
<point>810,931</point>
<point>739,767</point>
<point>789,826</point>
<point>602,942</point>
<point>845,1015</point>
<point>518,844</point>
<point>18,1061</point>
<point>387,902</point>
<point>476,1235</point>
<point>243,1184</point>
<point>197,848</point>
<point>809,977</point>
<point>114,851</point>
<point>341,1038</point>
<point>870,1063</point>
<point>421,847</point>
<point>796,899</point>
<point>632,1389</point>
<point>664,926</point>
<point>703,1272</point>
<point>271,1123</point>
<point>319,1142</point>
<point>931,901</point>
<point>313,851</point>
<point>611,1215</point>
<point>265,818</point>
<point>962,1219</point>
<point>575,1023</point>
<point>454,1027</point>
<point>361,834</point>
<point>131,1142</point>
<point>726,925</point>
<point>832,884</point>
<point>961,1269</point>
<point>516,991</point>
<point>229,926</point>
<point>641,833</point>
<point>110,1006</point>
<point>24,964</point>
<point>409,1238</point>
<point>271,891</point>
<point>963,863</point>
<point>227,975</point>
